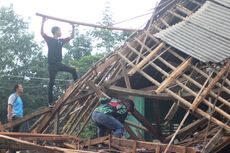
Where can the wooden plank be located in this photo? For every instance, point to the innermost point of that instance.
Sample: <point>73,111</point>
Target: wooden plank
<point>126,77</point>
<point>176,15</point>
<point>85,143</point>
<point>130,131</point>
<point>14,143</point>
<point>136,125</point>
<point>134,92</point>
<point>174,75</point>
<point>146,59</point>
<point>134,146</point>
<point>27,117</point>
<point>151,145</point>
<point>40,137</point>
<point>184,9</point>
<point>158,149</point>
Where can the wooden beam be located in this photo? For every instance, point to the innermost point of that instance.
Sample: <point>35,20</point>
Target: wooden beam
<point>172,111</point>
<point>14,143</point>
<point>146,59</point>
<point>107,62</point>
<point>126,77</point>
<point>214,141</point>
<point>86,143</point>
<point>150,145</point>
<point>131,133</point>
<point>82,114</point>
<point>87,24</point>
<point>96,89</point>
<point>40,137</point>
<point>148,125</point>
<point>27,117</point>
<point>189,129</point>
<point>174,75</point>
<point>136,125</point>
<point>60,102</point>
<point>134,92</point>
<point>184,9</point>
<point>206,91</point>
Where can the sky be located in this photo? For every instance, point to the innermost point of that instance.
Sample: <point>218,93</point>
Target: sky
<point>89,11</point>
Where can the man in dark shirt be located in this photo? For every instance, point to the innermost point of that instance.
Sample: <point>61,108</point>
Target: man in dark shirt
<point>55,45</point>
<point>111,115</point>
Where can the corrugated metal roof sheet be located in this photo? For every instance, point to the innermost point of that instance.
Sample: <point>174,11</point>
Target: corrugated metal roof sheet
<point>205,35</point>
<point>223,2</point>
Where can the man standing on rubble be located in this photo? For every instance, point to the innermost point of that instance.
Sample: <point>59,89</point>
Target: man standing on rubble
<point>111,115</point>
<point>15,106</point>
<point>55,45</point>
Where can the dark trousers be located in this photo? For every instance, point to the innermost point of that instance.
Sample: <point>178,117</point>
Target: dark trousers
<point>107,122</point>
<point>53,70</point>
<point>15,129</point>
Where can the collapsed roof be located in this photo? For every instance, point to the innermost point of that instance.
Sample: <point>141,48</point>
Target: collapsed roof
<point>180,56</point>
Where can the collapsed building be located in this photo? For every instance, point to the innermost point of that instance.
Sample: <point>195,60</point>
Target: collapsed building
<point>176,70</point>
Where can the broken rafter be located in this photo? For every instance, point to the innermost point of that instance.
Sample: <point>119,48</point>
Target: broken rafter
<point>182,100</point>
<point>207,90</point>
<point>146,59</point>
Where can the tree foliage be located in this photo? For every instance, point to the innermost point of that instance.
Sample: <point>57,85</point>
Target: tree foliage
<point>20,56</point>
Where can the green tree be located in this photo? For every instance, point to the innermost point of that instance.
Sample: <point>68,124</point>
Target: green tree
<point>107,40</point>
<point>20,57</point>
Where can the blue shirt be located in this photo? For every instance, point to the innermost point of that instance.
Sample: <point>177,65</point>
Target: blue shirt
<point>17,105</point>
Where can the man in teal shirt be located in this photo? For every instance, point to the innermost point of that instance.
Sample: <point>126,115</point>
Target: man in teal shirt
<point>15,106</point>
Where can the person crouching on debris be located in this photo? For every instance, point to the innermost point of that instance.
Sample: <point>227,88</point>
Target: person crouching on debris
<point>55,65</point>
<point>111,114</point>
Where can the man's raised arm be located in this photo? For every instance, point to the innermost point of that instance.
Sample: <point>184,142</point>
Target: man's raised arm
<point>42,26</point>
